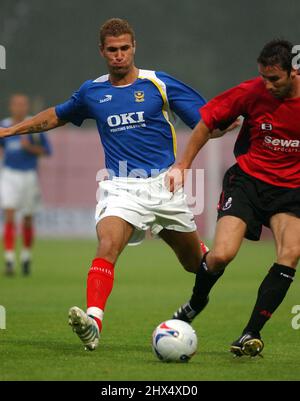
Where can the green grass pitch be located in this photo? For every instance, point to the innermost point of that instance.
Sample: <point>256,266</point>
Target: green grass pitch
<point>150,284</point>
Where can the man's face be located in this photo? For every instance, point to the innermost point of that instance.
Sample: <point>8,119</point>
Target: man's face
<point>118,52</point>
<point>19,106</point>
<point>277,81</point>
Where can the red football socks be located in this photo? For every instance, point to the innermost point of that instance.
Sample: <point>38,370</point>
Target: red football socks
<point>9,234</point>
<point>99,286</point>
<point>28,234</point>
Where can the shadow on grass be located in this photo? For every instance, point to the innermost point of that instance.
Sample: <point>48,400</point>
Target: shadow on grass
<point>39,344</point>
<point>136,352</point>
<point>64,346</point>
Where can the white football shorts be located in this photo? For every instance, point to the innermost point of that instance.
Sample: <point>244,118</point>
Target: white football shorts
<point>19,190</point>
<point>146,203</point>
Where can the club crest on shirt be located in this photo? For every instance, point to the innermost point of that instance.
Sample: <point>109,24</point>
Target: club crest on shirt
<point>139,96</point>
<point>227,205</point>
<point>266,127</point>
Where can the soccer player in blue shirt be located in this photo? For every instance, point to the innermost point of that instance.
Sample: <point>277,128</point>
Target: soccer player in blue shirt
<point>19,188</point>
<point>132,110</point>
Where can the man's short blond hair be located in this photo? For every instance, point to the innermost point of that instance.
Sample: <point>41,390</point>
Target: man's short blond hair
<point>115,27</point>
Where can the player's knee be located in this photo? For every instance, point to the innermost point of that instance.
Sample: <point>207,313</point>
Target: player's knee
<point>27,221</point>
<point>108,249</point>
<point>192,267</point>
<point>9,217</point>
<point>289,256</point>
<point>10,220</point>
<point>220,259</point>
<point>191,263</point>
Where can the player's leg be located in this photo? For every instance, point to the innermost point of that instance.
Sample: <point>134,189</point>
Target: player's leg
<point>9,238</point>
<point>230,232</point>
<point>29,202</point>
<point>268,200</point>
<point>229,235</point>
<point>187,246</point>
<point>189,250</point>
<point>10,195</point>
<point>27,239</point>
<point>113,235</point>
<point>236,220</point>
<point>120,218</point>
<point>286,232</point>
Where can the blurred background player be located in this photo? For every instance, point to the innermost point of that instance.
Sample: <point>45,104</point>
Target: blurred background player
<point>19,187</point>
<point>263,188</point>
<point>132,109</point>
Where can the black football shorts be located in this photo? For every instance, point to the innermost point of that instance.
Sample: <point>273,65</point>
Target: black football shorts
<point>255,201</point>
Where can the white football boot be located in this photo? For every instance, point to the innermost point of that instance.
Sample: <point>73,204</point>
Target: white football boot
<point>85,327</point>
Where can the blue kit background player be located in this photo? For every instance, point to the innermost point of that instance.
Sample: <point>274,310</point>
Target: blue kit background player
<point>132,110</point>
<point>19,187</point>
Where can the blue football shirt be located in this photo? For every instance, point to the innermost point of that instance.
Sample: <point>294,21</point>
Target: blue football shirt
<point>134,121</point>
<point>17,158</point>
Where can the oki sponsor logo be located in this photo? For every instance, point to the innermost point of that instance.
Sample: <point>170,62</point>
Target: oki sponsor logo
<point>284,143</point>
<point>126,118</point>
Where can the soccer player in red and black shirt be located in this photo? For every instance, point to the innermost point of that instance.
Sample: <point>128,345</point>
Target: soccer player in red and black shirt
<point>262,188</point>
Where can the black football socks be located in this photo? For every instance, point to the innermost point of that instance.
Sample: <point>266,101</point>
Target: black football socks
<point>204,282</point>
<point>270,295</point>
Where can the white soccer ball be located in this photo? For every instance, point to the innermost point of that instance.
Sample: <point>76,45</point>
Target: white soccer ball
<point>174,341</point>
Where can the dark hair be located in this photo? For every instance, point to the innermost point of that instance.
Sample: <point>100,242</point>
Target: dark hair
<point>115,27</point>
<point>278,51</point>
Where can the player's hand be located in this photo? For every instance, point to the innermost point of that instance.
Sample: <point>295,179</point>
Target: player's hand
<point>36,150</point>
<point>5,132</point>
<point>25,143</point>
<point>175,177</point>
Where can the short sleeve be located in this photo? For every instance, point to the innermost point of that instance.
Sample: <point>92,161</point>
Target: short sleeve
<point>225,108</point>
<point>75,109</point>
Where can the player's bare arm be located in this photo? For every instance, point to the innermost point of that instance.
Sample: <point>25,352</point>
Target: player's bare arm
<point>200,135</point>
<point>43,121</point>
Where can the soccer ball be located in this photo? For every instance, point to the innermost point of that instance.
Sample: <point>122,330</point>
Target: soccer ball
<point>174,341</point>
